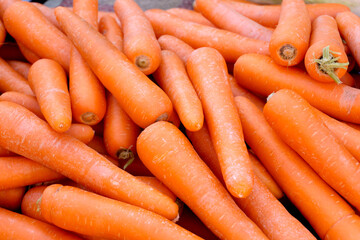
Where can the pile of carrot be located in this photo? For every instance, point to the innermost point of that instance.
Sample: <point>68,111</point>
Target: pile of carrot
<point>178,123</point>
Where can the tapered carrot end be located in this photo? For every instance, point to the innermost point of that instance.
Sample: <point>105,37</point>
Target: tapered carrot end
<point>239,187</point>
<point>347,228</point>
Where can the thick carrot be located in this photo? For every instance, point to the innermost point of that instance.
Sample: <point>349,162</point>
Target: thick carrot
<point>11,51</point>
<point>112,31</point>
<point>268,15</point>
<point>87,213</point>
<point>230,45</point>
<point>4,4</point>
<point>208,73</point>
<point>348,24</point>
<point>140,44</point>
<point>317,202</point>
<point>48,80</point>
<point>120,132</point>
<point>87,94</point>
<point>171,158</point>
<point>20,227</point>
<point>81,132</point>
<point>229,19</point>
<point>290,40</point>
<point>339,101</point>
<point>97,143</point>
<point>295,122</point>
<point>20,67</point>
<point>347,228</point>
<point>30,27</point>
<point>155,183</point>
<point>326,60</point>
<point>30,205</point>
<point>173,79</point>
<point>27,101</point>
<point>191,16</point>
<point>48,13</point>
<point>11,198</point>
<point>21,131</point>
<point>29,55</point>
<point>116,72</point>
<point>171,43</point>
<point>10,80</point>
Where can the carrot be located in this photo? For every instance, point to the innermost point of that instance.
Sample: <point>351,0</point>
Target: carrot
<point>29,55</point>
<point>20,171</point>
<point>24,100</point>
<point>82,132</point>
<point>268,15</point>
<point>330,159</point>
<point>75,160</point>
<point>30,205</point>
<point>17,226</point>
<point>291,37</point>
<point>117,73</point>
<point>326,60</point>
<point>97,143</point>
<point>20,67</point>
<point>48,80</point>
<point>140,44</point>
<point>87,213</point>
<point>2,33</point>
<point>11,198</point>
<point>87,94</point>
<point>317,202</point>
<point>347,228</point>
<point>47,12</point>
<point>11,51</point>
<point>30,27</point>
<point>155,183</point>
<point>173,79</point>
<point>171,43</point>
<point>190,15</point>
<point>174,119</point>
<point>10,80</point>
<point>230,45</point>
<point>348,23</point>
<point>112,31</point>
<point>120,132</point>
<point>339,101</point>
<point>177,165</point>
<point>229,19</point>
<point>4,4</point>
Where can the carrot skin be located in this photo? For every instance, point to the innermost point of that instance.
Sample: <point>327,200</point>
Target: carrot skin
<point>30,205</point>
<point>29,55</point>
<point>82,132</point>
<point>191,16</point>
<point>112,31</point>
<point>171,43</point>
<point>20,67</point>
<point>11,198</point>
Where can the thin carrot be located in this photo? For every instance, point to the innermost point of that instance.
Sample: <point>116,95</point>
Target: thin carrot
<point>268,15</point>
<point>140,44</point>
<point>120,132</point>
<point>10,80</point>
<point>171,43</point>
<point>326,60</point>
<point>29,55</point>
<point>81,132</point>
<point>97,143</point>
<point>30,27</point>
<point>207,71</point>
<point>47,12</point>
<point>293,119</point>
<point>230,45</point>
<point>111,30</point>
<point>87,213</point>
<point>30,205</point>
<point>291,37</point>
<point>20,67</point>
<point>155,183</point>
<point>17,226</point>
<point>173,79</point>
<point>48,80</point>
<point>339,101</point>
<point>11,198</point>
<point>11,51</point>
<point>229,19</point>
<point>190,15</point>
<point>27,101</point>
<point>116,72</point>
<point>317,202</point>
<point>177,165</point>
<point>20,171</point>
<point>75,160</point>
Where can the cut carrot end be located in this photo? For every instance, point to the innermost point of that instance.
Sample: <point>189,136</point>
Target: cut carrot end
<point>163,117</point>
<point>287,52</point>
<point>89,118</point>
<point>124,154</point>
<point>142,62</point>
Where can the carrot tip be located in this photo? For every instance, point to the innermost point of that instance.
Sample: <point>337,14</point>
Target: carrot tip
<point>89,118</point>
<point>142,62</point>
<point>287,52</point>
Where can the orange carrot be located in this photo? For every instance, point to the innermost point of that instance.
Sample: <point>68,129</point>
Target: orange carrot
<point>326,60</point>
<point>97,143</point>
<point>155,183</point>
<point>30,205</point>
<point>75,160</point>
<point>20,67</point>
<point>11,222</point>
<point>230,45</point>
<point>174,119</point>
<point>173,79</point>
<point>47,12</point>
<point>229,19</point>
<point>2,33</point>
<point>347,228</point>
<point>10,80</point>
<point>30,27</point>
<point>171,43</point>
<point>116,72</point>
<point>120,132</point>
<point>339,101</point>
<point>48,80</point>
<point>11,198</point>
<point>140,44</point>
<point>177,165</point>
<point>4,4</point>
<point>20,171</point>
<point>291,37</point>
<point>208,73</point>
<point>29,55</point>
<point>190,15</point>
<point>111,30</point>
<point>87,213</point>
<point>81,132</point>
